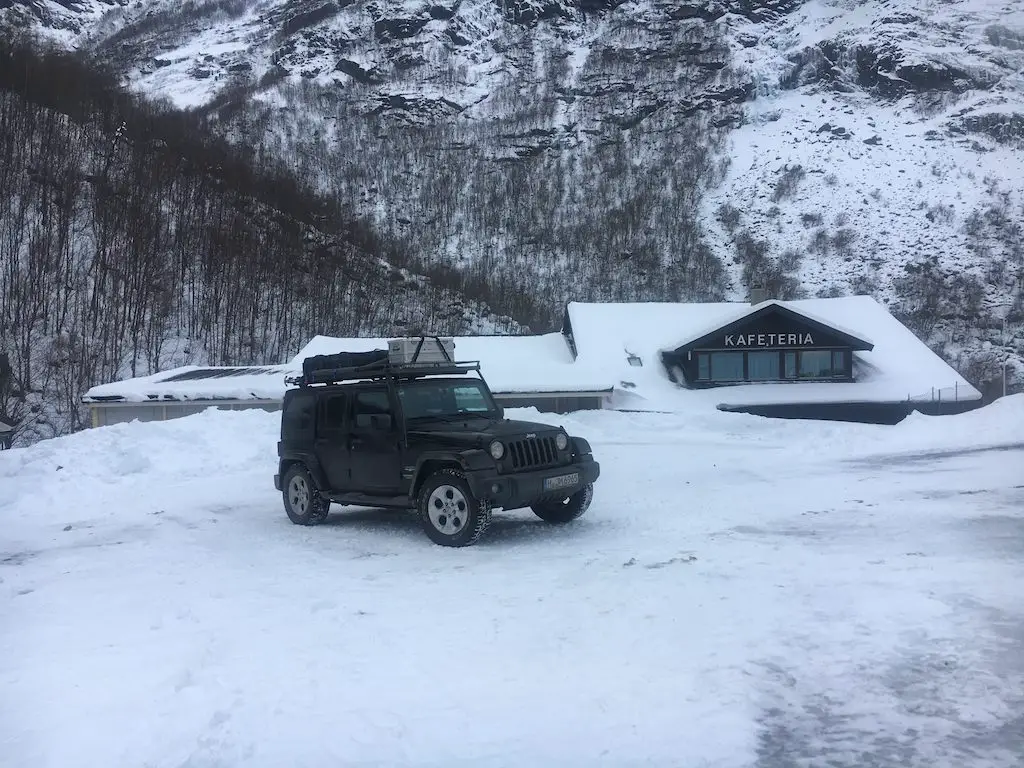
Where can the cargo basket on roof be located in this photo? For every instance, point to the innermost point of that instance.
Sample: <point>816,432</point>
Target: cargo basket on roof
<point>405,358</point>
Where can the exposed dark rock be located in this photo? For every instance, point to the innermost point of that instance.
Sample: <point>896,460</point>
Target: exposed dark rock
<point>357,72</point>
<point>398,29</point>
<point>1004,128</point>
<point>308,17</point>
<point>457,37</point>
<point>760,10</point>
<point>874,140</point>
<point>532,11</point>
<point>703,11</point>
<point>415,110</point>
<point>901,18</point>
<point>444,12</point>
<point>628,122</point>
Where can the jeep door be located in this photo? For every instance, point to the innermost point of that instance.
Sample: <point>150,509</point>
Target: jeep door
<point>374,442</point>
<point>332,448</point>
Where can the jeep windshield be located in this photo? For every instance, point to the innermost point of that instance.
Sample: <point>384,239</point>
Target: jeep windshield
<point>442,400</point>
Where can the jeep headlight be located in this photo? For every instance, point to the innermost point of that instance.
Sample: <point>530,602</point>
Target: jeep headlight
<point>497,450</point>
<point>562,441</point>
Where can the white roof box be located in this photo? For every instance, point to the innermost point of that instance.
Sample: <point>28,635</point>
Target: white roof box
<point>421,349</point>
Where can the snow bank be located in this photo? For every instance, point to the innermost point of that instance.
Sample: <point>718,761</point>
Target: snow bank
<point>735,575</point>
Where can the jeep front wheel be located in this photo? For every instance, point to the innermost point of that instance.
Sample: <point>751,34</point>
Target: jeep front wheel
<point>449,513</point>
<point>302,501</point>
<point>565,510</point>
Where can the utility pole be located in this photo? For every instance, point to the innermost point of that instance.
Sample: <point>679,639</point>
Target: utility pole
<point>1005,353</point>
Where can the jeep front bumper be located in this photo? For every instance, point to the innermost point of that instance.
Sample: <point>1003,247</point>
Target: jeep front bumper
<point>522,489</point>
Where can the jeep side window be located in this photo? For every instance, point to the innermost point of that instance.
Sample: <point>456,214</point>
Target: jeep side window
<point>297,421</point>
<point>334,411</point>
<point>372,410</point>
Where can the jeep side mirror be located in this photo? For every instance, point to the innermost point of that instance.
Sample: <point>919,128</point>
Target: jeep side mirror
<point>501,411</point>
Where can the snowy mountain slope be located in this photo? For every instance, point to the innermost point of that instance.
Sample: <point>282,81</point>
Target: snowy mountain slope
<point>860,612</point>
<point>464,129</point>
<point>571,149</point>
<point>885,152</point>
<point>65,19</point>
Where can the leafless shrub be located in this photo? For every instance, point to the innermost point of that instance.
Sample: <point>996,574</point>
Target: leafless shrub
<point>940,213</point>
<point>788,183</point>
<point>729,216</point>
<point>843,240</point>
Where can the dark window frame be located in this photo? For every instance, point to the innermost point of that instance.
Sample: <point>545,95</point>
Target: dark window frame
<point>705,362</point>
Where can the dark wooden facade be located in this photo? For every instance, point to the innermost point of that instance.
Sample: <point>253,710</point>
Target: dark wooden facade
<point>771,344</point>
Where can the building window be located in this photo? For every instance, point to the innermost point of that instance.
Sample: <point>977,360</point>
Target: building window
<point>838,362</point>
<point>773,365</point>
<point>703,367</point>
<point>822,364</point>
<point>727,366</point>
<point>763,366</point>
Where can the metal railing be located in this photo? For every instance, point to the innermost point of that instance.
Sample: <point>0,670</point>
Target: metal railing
<point>938,395</point>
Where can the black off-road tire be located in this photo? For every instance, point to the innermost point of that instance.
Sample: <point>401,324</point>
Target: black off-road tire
<point>449,513</point>
<point>565,510</point>
<point>302,501</point>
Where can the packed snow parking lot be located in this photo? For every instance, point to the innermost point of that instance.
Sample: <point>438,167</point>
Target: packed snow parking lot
<point>742,592</point>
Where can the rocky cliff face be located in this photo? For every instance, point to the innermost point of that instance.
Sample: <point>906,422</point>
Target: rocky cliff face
<point>655,149</point>
<point>883,153</point>
<point>65,18</point>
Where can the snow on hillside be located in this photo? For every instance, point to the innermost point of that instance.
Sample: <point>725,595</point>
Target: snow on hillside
<point>743,592</point>
<point>865,147</point>
<point>881,147</point>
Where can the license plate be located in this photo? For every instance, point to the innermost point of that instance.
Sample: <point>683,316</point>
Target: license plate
<point>562,481</point>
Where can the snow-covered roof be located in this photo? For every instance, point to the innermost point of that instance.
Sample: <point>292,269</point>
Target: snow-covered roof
<point>511,365</point>
<point>746,310</point>
<point>606,336</point>
<point>900,366</point>
<point>192,382</point>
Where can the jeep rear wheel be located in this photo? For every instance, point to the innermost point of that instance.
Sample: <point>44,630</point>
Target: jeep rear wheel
<point>449,513</point>
<point>302,501</point>
<point>565,510</point>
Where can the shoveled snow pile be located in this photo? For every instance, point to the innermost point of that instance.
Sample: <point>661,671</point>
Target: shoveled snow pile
<point>743,592</point>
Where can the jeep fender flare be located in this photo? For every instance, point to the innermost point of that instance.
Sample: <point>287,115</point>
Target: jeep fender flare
<point>312,465</point>
<point>580,447</point>
<point>472,459</point>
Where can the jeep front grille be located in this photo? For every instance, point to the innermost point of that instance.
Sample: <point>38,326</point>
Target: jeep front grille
<point>533,452</point>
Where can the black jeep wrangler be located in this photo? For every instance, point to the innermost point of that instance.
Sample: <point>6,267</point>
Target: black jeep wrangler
<point>364,429</point>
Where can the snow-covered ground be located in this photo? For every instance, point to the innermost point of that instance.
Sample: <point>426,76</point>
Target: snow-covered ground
<point>743,592</point>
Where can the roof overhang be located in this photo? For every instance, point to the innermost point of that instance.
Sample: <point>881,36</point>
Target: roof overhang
<point>707,337</point>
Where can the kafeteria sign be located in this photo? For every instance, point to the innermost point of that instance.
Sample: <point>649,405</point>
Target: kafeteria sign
<point>769,340</point>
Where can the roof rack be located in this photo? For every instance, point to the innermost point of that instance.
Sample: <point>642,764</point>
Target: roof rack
<point>379,364</point>
<point>381,370</point>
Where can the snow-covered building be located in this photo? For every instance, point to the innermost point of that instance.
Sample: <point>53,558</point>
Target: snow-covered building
<point>839,358</point>
<point>522,371</point>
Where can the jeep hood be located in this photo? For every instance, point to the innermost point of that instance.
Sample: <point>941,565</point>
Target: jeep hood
<point>476,431</point>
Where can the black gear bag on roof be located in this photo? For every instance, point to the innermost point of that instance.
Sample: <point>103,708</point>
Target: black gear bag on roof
<point>342,360</point>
